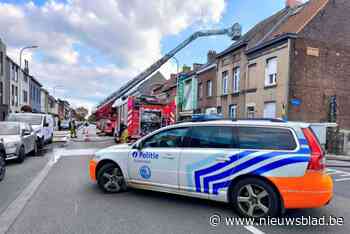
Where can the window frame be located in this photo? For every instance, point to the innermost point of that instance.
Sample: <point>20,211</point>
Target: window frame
<point>224,88</point>
<point>235,108</point>
<point>291,130</point>
<point>236,78</point>
<point>188,143</point>
<point>209,88</point>
<point>142,141</point>
<point>268,75</point>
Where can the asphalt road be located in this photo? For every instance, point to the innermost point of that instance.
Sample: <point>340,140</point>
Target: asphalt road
<point>67,202</point>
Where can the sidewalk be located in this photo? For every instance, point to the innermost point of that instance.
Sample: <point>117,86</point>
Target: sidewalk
<point>337,160</point>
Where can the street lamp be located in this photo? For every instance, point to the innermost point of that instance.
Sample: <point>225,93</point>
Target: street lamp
<point>21,52</point>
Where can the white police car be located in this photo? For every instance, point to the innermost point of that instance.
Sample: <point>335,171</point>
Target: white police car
<point>260,167</point>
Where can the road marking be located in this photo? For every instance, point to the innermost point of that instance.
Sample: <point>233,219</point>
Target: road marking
<point>344,179</point>
<point>10,214</point>
<point>253,229</point>
<point>8,217</point>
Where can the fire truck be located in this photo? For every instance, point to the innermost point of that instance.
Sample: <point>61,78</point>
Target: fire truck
<point>146,114</point>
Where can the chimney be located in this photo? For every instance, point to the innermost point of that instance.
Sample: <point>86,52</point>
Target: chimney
<point>293,3</point>
<point>211,56</point>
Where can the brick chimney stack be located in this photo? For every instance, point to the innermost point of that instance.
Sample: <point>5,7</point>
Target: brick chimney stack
<point>293,3</point>
<point>211,57</point>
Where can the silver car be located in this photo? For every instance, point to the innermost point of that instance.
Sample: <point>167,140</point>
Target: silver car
<point>19,140</point>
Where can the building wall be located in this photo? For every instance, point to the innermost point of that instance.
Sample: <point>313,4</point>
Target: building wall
<point>3,81</point>
<point>206,101</point>
<point>257,94</point>
<point>227,63</point>
<point>24,87</point>
<point>321,66</point>
<point>35,95</point>
<point>14,85</point>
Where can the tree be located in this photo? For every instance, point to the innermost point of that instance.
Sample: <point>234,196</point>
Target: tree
<point>81,113</point>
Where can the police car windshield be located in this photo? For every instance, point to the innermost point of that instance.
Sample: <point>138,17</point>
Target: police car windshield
<point>30,119</point>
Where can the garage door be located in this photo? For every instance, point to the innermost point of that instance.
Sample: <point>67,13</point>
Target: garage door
<point>270,110</point>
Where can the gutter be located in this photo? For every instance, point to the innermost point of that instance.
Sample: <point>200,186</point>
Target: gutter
<point>272,42</point>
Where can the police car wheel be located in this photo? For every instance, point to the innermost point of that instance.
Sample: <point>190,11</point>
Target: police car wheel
<point>255,198</point>
<point>110,178</point>
<point>21,154</point>
<point>2,166</point>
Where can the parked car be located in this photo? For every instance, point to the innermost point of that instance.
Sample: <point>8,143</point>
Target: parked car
<point>261,167</point>
<point>42,124</point>
<point>19,139</point>
<point>65,125</point>
<point>2,161</point>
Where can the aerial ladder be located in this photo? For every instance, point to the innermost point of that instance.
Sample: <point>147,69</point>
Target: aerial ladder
<point>233,32</point>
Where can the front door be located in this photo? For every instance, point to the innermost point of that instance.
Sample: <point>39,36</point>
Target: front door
<point>210,154</point>
<point>158,160</point>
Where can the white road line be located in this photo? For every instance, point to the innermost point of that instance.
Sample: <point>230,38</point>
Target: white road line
<point>253,230</point>
<point>10,214</point>
<point>344,179</point>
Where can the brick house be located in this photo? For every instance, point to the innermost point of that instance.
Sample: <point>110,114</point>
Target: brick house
<point>293,65</point>
<point>206,77</point>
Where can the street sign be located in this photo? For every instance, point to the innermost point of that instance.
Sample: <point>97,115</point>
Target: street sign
<point>295,102</point>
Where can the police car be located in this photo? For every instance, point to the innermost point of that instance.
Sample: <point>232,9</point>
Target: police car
<point>261,167</point>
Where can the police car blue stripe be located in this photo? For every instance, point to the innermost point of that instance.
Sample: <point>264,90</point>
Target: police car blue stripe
<point>238,168</point>
<point>243,166</point>
<point>262,170</point>
<point>303,141</point>
<point>218,166</point>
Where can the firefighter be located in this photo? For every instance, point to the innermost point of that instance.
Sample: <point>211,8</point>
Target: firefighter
<point>73,129</point>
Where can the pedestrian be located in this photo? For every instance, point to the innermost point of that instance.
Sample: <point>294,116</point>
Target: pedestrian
<point>59,124</point>
<point>72,128</point>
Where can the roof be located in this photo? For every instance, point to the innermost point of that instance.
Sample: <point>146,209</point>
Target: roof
<point>206,67</point>
<point>284,23</point>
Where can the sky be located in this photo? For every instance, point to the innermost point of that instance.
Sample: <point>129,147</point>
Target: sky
<point>88,49</point>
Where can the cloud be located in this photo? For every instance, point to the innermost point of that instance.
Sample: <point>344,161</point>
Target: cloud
<point>92,47</point>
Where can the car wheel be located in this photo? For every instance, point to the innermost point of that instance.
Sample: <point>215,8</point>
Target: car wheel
<point>51,139</point>
<point>110,178</point>
<point>35,150</point>
<point>21,154</point>
<point>2,166</point>
<point>40,143</point>
<point>255,198</point>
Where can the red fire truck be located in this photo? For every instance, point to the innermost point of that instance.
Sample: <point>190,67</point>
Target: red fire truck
<point>146,114</point>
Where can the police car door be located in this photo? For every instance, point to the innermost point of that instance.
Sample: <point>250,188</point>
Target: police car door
<point>157,162</point>
<point>210,151</point>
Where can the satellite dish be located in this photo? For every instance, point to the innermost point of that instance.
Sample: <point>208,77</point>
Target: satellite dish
<point>235,31</point>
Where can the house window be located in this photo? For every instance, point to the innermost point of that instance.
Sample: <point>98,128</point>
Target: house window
<point>1,63</point>
<point>236,79</point>
<point>250,111</point>
<point>251,76</point>
<point>12,95</point>
<point>1,93</point>
<point>25,96</point>
<point>16,94</point>
<point>224,82</point>
<point>271,72</point>
<point>233,111</point>
<point>200,90</point>
<point>209,88</point>
<point>270,110</point>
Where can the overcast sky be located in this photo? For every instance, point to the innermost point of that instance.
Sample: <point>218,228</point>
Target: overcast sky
<point>89,48</point>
